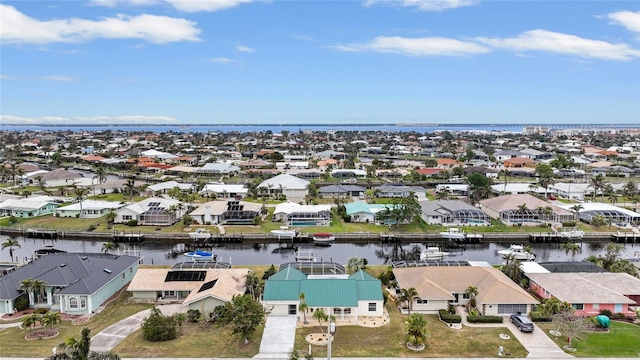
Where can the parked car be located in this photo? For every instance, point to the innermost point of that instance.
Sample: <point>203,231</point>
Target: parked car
<point>552,197</point>
<point>522,322</point>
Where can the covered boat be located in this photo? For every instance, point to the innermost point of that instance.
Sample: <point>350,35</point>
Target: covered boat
<point>323,237</point>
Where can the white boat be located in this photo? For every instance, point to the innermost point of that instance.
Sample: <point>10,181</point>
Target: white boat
<point>200,255</point>
<point>432,253</point>
<point>305,256</point>
<point>284,233</point>
<point>323,237</point>
<point>453,234</point>
<point>200,234</point>
<point>572,234</point>
<point>518,252</point>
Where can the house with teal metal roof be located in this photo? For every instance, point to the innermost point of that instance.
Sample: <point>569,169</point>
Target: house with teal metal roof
<point>362,212</point>
<point>344,296</point>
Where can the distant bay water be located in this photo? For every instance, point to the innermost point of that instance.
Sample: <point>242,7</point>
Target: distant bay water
<point>206,128</point>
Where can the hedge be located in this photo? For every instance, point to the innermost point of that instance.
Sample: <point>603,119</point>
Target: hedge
<point>448,318</point>
<point>541,318</point>
<point>484,319</point>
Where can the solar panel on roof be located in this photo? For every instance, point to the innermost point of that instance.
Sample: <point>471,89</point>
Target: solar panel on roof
<point>185,276</point>
<point>151,204</point>
<point>208,285</point>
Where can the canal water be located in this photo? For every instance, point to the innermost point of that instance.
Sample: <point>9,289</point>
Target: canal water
<point>170,252</point>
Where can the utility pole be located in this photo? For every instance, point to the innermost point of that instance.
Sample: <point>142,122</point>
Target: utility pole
<point>331,328</point>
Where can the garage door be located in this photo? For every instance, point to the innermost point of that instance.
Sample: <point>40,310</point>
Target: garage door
<point>506,309</point>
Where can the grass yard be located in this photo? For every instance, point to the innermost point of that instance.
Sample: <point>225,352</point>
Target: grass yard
<point>60,223</point>
<point>623,340</point>
<point>195,340</point>
<point>15,345</point>
<point>389,341</point>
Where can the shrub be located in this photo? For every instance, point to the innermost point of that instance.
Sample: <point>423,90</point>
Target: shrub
<point>193,315</point>
<point>92,227</point>
<point>606,312</point>
<point>569,224</point>
<point>158,327</point>
<point>541,318</point>
<point>132,223</point>
<point>484,319</point>
<point>618,316</point>
<point>21,303</point>
<point>448,318</point>
<point>41,311</point>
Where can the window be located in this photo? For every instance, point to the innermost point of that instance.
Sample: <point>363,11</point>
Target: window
<point>596,306</point>
<point>337,311</point>
<point>347,311</point>
<point>465,296</point>
<point>372,307</point>
<point>83,303</point>
<point>171,293</point>
<point>73,303</point>
<point>422,301</point>
<point>127,217</point>
<point>123,276</point>
<point>293,309</point>
<point>578,306</point>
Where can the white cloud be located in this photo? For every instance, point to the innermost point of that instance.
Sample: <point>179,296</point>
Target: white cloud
<point>628,19</point>
<point>221,60</point>
<point>6,77</point>
<point>205,5</point>
<point>428,46</point>
<point>114,3</point>
<point>59,78</point>
<point>549,41</point>
<point>17,27</point>
<point>425,5</point>
<point>245,49</point>
<point>125,119</point>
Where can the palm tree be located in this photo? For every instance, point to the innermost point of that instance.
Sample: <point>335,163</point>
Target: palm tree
<point>303,307</point>
<point>597,183</point>
<point>50,319</point>
<point>443,194</point>
<point>408,295</point>
<point>320,316</point>
<point>506,173</point>
<point>10,243</point>
<point>100,175</point>
<point>575,209</point>
<point>416,330</point>
<point>572,248</point>
<point>608,188</point>
<point>79,194</point>
<point>108,246</point>
<point>630,189</point>
<point>130,188</point>
<point>38,287</point>
<point>30,321</point>
<point>26,285</point>
<point>471,292</point>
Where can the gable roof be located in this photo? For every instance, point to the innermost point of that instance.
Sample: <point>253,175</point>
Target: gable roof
<point>75,273</point>
<point>589,288</point>
<point>287,181</point>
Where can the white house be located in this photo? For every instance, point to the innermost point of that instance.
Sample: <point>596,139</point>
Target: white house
<point>152,211</point>
<point>89,209</point>
<point>294,188</point>
<point>224,191</point>
<point>294,214</point>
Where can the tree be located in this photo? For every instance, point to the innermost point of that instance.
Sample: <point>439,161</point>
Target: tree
<point>512,269</point>
<point>471,292</point>
<point>416,330</point>
<point>320,316</point>
<point>612,260</point>
<point>506,173</point>
<point>130,188</point>
<point>303,307</point>
<point>479,187</point>
<point>50,320</point>
<point>79,194</point>
<point>572,248</point>
<point>443,194</point>
<point>100,175</point>
<point>10,243</point>
<point>254,285</point>
<point>356,264</point>
<point>408,295</point>
<point>158,327</point>
<point>30,321</point>
<point>545,176</point>
<point>571,325</point>
<point>108,246</point>
<point>244,313</point>
<point>630,189</point>
<point>597,183</point>
<point>598,220</point>
<point>38,287</point>
<point>575,209</point>
<point>78,349</point>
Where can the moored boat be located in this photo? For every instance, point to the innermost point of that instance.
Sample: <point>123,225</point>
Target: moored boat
<point>49,249</point>
<point>432,253</point>
<point>323,237</point>
<point>572,234</point>
<point>453,234</point>
<point>200,234</point>
<point>518,252</point>
<point>200,255</point>
<point>284,233</point>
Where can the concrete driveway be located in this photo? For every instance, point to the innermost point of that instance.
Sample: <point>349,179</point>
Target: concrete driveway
<point>278,337</point>
<point>537,342</point>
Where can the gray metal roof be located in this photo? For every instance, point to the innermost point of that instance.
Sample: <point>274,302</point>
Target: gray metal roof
<point>75,273</point>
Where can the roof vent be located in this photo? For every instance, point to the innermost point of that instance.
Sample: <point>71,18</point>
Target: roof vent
<point>107,271</point>
<point>63,264</point>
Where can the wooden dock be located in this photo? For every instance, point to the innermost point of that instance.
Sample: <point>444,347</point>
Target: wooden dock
<point>125,237</point>
<point>626,238</point>
<point>41,233</point>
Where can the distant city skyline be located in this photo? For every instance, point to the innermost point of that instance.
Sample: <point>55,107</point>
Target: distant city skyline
<point>225,62</point>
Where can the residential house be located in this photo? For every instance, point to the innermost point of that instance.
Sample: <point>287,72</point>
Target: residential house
<point>294,188</point>
<point>220,168</point>
<point>164,187</point>
<point>612,214</point>
<point>614,170</point>
<point>233,212</point>
<point>344,296</point>
<point>76,283</point>
<point>362,212</point>
<point>155,154</point>
<point>398,191</point>
<point>341,191</point>
<point>511,154</point>
<point>348,174</point>
<point>452,213</point>
<point>524,209</point>
<point>294,214</point>
<point>589,293</point>
<point>88,209</point>
<point>59,177</point>
<point>28,207</point>
<point>199,289</point>
<point>151,211</point>
<point>518,162</point>
<point>441,286</point>
<point>225,191</point>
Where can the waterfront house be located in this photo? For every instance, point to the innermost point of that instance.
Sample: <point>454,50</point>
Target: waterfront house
<point>163,187</point>
<point>294,214</point>
<point>293,188</point>
<point>225,191</point>
<point>441,286</point>
<point>199,289</point>
<point>344,296</point>
<point>219,168</point>
<point>589,293</point>
<point>452,213</point>
<point>75,283</point>
<point>232,212</point>
<point>612,214</point>
<point>151,211</point>
<point>88,209</point>
<point>29,207</point>
<point>360,211</point>
<point>524,209</point>
<point>341,191</point>
<point>398,191</point>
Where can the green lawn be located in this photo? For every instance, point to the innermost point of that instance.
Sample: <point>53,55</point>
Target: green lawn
<point>623,340</point>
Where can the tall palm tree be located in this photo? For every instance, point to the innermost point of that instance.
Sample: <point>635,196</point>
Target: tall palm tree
<point>471,292</point>
<point>320,316</point>
<point>38,287</point>
<point>130,188</point>
<point>506,173</point>
<point>303,307</point>
<point>100,175</point>
<point>26,285</point>
<point>10,243</point>
<point>408,295</point>
<point>597,183</point>
<point>575,209</point>
<point>416,330</point>
<point>108,246</point>
<point>79,193</point>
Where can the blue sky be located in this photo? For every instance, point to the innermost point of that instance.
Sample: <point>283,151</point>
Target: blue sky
<point>320,62</point>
